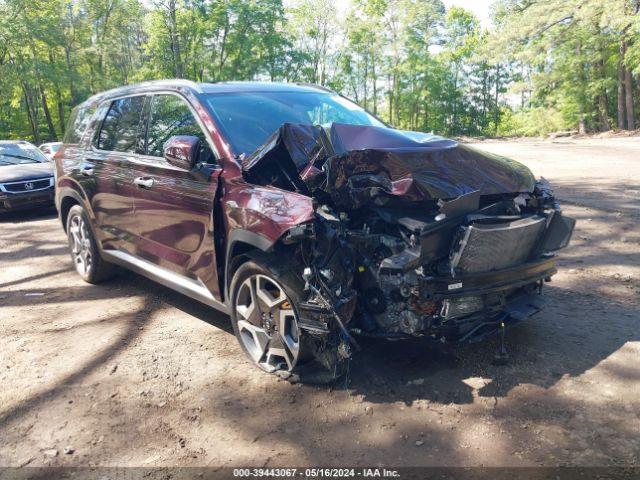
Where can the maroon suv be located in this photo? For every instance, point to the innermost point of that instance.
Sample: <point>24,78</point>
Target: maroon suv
<point>305,218</point>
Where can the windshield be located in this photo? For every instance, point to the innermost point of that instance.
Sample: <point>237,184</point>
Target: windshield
<point>248,119</point>
<point>20,153</point>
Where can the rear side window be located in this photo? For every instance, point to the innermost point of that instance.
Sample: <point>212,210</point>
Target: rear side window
<point>77,124</point>
<point>171,116</point>
<point>120,131</point>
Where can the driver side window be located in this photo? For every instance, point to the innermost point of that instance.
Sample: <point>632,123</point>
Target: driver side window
<point>169,115</point>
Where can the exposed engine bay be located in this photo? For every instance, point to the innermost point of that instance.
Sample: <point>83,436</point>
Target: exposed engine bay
<point>414,235</point>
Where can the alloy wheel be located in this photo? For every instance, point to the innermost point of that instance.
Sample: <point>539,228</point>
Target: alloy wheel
<point>81,248</point>
<point>267,323</point>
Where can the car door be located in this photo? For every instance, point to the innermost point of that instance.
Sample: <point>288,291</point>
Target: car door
<point>173,207</point>
<point>106,174</point>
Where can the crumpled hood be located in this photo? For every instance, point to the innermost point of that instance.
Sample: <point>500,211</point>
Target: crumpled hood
<point>26,171</point>
<point>358,165</point>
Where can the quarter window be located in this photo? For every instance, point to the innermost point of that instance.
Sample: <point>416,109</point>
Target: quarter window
<point>120,131</point>
<point>171,116</point>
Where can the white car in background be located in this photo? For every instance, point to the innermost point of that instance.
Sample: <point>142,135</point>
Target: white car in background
<point>50,149</point>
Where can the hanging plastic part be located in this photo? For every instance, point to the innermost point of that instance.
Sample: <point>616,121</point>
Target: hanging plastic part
<point>502,357</point>
<point>329,307</point>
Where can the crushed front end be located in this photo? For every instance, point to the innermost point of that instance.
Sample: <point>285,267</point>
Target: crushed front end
<point>401,272</point>
<point>460,278</point>
<point>417,237</point>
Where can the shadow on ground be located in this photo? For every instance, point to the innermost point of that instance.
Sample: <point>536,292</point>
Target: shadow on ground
<point>581,327</point>
<point>554,343</point>
<point>20,216</point>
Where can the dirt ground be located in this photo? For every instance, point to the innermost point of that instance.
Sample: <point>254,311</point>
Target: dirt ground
<point>129,373</point>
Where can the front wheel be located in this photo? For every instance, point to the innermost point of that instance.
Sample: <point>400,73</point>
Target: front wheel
<point>84,249</point>
<point>264,295</point>
<point>265,320</point>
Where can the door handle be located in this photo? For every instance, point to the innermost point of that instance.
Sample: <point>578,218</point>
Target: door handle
<point>87,170</point>
<point>144,182</point>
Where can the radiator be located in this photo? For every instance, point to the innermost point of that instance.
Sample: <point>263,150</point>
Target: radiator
<point>493,246</point>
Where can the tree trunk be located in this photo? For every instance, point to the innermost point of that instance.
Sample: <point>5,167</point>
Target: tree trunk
<point>602,99</point>
<point>390,99</point>
<point>33,121</point>
<point>485,94</point>
<point>223,44</point>
<point>59,104</point>
<point>364,84</point>
<point>375,87</point>
<point>29,105</point>
<point>602,113</point>
<point>426,117</point>
<point>638,91</point>
<point>496,115</point>
<point>175,40</point>
<point>70,73</point>
<point>60,110</point>
<point>101,37</point>
<point>628,88</point>
<point>47,114</point>
<point>396,96</point>
<point>454,116</point>
<point>582,129</point>
<point>582,100</point>
<point>621,87</point>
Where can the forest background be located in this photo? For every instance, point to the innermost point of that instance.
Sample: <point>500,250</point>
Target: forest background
<point>535,67</point>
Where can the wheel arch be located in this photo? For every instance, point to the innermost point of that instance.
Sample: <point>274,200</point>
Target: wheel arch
<point>243,245</point>
<point>68,198</point>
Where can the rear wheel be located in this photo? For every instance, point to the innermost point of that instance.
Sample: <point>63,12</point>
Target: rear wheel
<point>84,249</point>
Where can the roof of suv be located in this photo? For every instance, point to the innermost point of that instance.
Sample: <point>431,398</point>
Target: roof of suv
<point>220,87</point>
<point>229,87</point>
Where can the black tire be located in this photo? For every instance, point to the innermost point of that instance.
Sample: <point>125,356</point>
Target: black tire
<point>274,272</point>
<point>83,248</point>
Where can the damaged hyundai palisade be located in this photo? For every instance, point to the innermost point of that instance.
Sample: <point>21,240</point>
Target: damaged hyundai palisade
<point>305,218</point>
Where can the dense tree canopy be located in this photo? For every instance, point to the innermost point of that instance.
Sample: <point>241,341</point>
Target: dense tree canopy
<point>545,65</point>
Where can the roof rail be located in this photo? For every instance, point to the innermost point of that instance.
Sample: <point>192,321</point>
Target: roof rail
<point>150,84</point>
<point>170,82</point>
<point>319,87</point>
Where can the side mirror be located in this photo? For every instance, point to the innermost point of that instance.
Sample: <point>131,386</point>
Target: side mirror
<point>182,151</point>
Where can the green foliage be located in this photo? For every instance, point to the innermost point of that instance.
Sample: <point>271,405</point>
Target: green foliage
<point>576,54</point>
<point>531,122</point>
<point>547,65</point>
